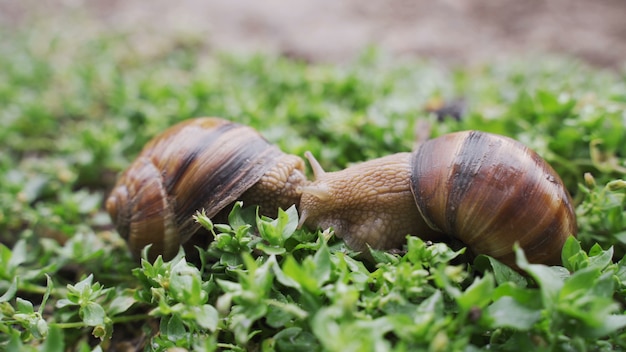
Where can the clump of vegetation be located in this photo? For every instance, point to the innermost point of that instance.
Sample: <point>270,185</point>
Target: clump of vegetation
<point>76,111</point>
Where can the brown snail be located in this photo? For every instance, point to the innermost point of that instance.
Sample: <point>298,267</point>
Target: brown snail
<point>203,163</point>
<point>485,190</point>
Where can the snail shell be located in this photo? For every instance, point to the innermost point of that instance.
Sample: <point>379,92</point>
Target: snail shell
<point>485,190</point>
<point>203,163</point>
<point>491,191</point>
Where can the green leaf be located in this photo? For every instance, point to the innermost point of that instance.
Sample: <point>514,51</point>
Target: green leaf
<point>277,231</point>
<point>173,327</point>
<point>54,341</point>
<point>92,314</point>
<point>6,271</point>
<point>447,278</point>
<point>428,313</point>
<point>18,255</point>
<point>599,258</point>
<point>10,293</point>
<point>322,264</point>
<point>501,272</point>
<point>580,282</point>
<point>223,228</point>
<point>24,306</point>
<point>64,303</point>
<point>242,318</point>
<point>381,256</point>
<point>289,220</point>
<point>528,297</point>
<point>436,253</point>
<point>296,339</point>
<point>304,278</point>
<point>15,342</point>
<point>478,294</point>
<point>550,284</point>
<point>206,316</point>
<point>586,297</point>
<point>337,334</point>
<point>241,217</point>
<point>610,324</point>
<point>283,278</point>
<point>186,283</point>
<point>83,290</point>
<point>271,250</point>
<point>121,303</point>
<point>570,254</point>
<point>508,312</point>
<point>279,313</point>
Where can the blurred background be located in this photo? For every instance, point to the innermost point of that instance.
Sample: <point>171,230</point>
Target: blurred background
<point>455,32</point>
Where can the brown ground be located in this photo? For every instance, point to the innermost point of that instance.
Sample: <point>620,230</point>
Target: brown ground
<point>454,31</point>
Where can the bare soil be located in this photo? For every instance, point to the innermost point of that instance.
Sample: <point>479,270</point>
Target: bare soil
<point>451,31</point>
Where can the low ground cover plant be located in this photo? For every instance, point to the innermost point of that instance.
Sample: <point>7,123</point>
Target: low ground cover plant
<point>75,112</point>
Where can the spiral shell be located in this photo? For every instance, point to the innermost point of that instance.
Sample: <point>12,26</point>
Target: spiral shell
<point>490,192</point>
<point>203,163</point>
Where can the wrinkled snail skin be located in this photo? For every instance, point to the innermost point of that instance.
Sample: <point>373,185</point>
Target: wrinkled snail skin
<point>279,187</point>
<point>367,204</point>
<point>202,163</point>
<point>485,190</point>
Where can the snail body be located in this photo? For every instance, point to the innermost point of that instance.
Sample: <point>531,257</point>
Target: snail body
<point>203,163</point>
<point>487,191</point>
<point>367,204</point>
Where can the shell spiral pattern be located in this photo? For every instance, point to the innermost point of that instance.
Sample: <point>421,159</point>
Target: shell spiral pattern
<point>491,191</point>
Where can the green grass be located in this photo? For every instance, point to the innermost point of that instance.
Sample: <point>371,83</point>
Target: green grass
<point>76,110</point>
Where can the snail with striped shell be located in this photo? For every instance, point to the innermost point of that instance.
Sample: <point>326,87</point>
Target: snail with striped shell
<point>487,191</point>
<point>203,163</point>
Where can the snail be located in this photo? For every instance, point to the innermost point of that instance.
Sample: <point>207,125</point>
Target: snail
<point>202,163</point>
<point>486,190</point>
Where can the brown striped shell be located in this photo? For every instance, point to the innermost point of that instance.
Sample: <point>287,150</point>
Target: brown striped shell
<point>491,191</point>
<point>202,163</point>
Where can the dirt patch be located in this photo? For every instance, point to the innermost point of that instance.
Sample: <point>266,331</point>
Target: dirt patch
<point>453,31</point>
